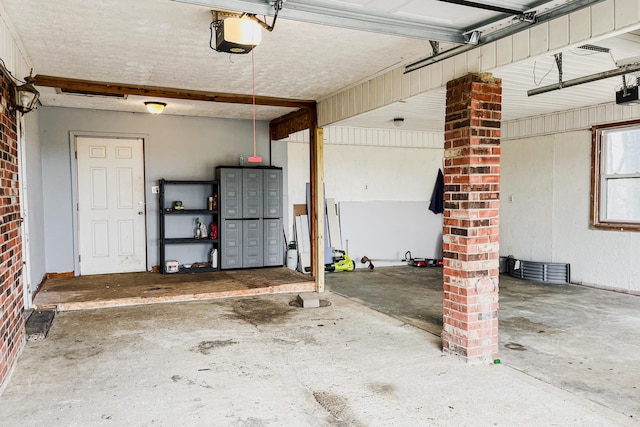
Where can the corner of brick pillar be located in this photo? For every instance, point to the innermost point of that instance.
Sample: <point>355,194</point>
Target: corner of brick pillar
<point>471,217</point>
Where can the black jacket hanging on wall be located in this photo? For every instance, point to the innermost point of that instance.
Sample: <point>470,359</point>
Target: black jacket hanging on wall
<point>437,198</point>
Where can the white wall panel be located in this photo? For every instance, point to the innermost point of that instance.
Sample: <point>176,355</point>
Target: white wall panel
<point>521,45</point>
<point>406,85</point>
<point>379,89</point>
<point>366,165</point>
<point>449,69</point>
<point>568,120</point>
<point>425,79</point>
<point>627,12</point>
<point>602,18</point>
<point>435,75</point>
<point>539,39</point>
<point>473,59</point>
<point>526,176</point>
<point>488,58</point>
<point>396,85</point>
<point>415,82</point>
<point>358,104</point>
<point>385,231</point>
<point>597,257</point>
<point>580,25</point>
<point>549,177</point>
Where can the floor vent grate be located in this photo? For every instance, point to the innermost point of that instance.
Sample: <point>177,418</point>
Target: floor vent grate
<point>548,272</point>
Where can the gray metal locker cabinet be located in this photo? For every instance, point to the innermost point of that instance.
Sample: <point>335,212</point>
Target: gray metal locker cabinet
<point>252,243</point>
<point>231,244</point>
<point>272,193</point>
<point>252,193</point>
<point>273,247</point>
<point>230,181</point>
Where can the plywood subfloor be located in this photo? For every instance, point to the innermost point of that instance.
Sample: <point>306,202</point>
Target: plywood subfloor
<point>114,290</point>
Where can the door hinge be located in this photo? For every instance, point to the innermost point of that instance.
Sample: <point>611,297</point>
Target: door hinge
<point>76,155</point>
<point>79,258</point>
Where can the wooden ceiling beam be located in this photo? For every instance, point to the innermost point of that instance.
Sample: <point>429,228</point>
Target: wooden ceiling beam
<point>293,122</point>
<point>119,89</point>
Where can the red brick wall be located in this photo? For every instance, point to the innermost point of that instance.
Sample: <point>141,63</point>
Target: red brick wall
<point>471,217</point>
<point>11,297</point>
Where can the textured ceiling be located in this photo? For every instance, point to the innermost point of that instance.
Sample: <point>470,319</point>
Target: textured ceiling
<point>166,43</point>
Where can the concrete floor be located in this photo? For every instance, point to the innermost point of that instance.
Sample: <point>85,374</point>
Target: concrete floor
<point>579,339</point>
<point>569,357</point>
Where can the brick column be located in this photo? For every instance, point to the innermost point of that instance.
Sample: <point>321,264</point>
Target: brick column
<point>11,298</point>
<point>471,217</point>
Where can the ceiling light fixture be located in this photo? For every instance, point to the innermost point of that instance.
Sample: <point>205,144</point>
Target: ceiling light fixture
<point>25,96</point>
<point>155,107</point>
<point>398,121</point>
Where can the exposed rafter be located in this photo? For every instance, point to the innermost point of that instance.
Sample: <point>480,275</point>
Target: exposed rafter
<point>290,123</point>
<point>118,89</point>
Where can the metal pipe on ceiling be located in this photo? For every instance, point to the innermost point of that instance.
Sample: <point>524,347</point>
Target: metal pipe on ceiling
<point>586,79</point>
<point>483,6</point>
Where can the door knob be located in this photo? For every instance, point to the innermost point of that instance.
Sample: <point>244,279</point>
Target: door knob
<point>140,213</point>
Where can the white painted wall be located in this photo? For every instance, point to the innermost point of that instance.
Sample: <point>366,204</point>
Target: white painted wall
<point>176,147</point>
<point>549,178</point>
<point>383,171</point>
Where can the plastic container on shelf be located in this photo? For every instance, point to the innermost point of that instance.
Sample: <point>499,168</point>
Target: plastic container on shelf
<point>214,258</point>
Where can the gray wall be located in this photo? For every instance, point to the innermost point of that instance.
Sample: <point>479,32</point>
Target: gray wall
<point>35,212</point>
<point>176,147</point>
<point>544,213</point>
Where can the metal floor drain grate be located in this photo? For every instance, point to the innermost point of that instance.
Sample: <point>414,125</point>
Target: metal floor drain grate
<point>548,272</point>
<point>38,324</point>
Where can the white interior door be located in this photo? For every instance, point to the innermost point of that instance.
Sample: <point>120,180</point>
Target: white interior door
<point>111,208</point>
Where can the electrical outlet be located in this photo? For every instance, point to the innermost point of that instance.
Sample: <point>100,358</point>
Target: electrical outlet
<point>155,189</point>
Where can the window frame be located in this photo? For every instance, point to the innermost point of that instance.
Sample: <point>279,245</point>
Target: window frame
<point>597,179</point>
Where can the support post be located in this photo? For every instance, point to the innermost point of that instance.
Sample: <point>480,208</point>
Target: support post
<point>471,217</point>
<point>317,207</point>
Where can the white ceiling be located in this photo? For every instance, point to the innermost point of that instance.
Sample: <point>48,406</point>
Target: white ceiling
<point>166,43</point>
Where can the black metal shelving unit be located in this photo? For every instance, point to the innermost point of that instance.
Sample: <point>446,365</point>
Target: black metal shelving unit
<point>167,211</point>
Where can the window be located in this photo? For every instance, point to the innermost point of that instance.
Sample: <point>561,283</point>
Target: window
<point>615,184</point>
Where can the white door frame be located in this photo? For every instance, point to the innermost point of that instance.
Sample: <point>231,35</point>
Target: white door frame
<point>24,214</point>
<point>73,135</point>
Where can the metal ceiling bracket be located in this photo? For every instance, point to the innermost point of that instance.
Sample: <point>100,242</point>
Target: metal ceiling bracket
<point>472,37</point>
<point>435,46</point>
<point>530,17</point>
<point>558,57</point>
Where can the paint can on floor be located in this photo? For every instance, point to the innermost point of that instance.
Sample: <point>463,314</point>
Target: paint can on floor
<point>171,266</point>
